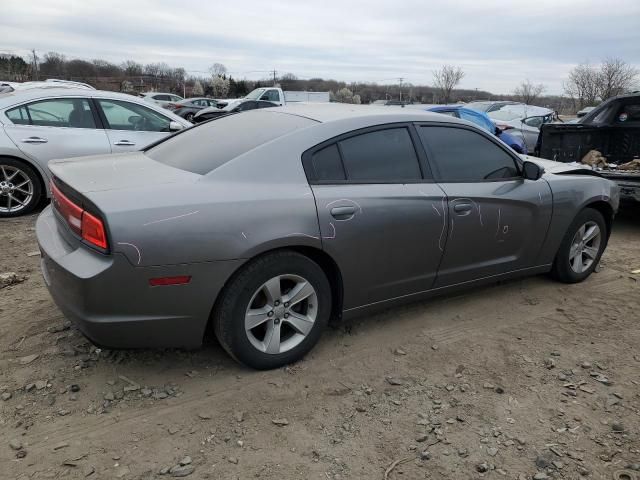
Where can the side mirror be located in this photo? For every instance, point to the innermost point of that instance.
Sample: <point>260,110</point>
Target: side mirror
<point>532,171</point>
<point>175,126</point>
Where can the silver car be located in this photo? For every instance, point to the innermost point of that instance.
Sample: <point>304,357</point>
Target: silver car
<point>39,124</point>
<point>161,99</point>
<point>266,224</point>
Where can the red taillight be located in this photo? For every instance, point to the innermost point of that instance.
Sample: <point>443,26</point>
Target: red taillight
<point>165,281</point>
<point>173,106</point>
<point>81,222</point>
<point>93,230</point>
<point>71,212</point>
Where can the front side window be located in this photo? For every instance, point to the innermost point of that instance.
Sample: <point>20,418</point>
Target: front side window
<point>61,112</point>
<point>380,156</point>
<point>131,116</point>
<point>245,106</point>
<point>462,155</point>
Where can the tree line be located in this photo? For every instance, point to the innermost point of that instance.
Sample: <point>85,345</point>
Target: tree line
<point>585,85</point>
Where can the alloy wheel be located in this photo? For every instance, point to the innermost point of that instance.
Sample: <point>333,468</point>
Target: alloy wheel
<point>281,313</point>
<point>16,189</point>
<point>585,247</point>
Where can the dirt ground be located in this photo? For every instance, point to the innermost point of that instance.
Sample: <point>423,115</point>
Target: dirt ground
<point>526,379</point>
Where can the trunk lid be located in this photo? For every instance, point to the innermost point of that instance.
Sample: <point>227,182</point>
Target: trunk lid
<point>117,172</point>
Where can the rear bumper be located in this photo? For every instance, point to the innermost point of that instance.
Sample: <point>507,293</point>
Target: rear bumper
<point>112,302</point>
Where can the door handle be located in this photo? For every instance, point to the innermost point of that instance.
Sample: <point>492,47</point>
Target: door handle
<point>343,213</point>
<point>34,140</point>
<point>124,143</point>
<point>462,208</point>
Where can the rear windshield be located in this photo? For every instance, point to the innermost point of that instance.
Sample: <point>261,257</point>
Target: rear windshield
<point>204,148</point>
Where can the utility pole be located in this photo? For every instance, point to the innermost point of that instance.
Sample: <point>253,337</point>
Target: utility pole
<point>274,77</point>
<point>34,65</point>
<point>401,79</point>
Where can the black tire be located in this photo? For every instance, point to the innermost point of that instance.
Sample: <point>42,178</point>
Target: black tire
<point>30,173</point>
<point>228,316</point>
<point>562,270</point>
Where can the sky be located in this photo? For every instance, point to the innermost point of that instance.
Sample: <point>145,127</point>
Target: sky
<point>497,43</point>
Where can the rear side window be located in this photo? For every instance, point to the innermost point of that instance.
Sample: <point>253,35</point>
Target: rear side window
<point>462,155</point>
<point>327,164</point>
<point>204,148</point>
<point>381,155</point>
<point>60,112</point>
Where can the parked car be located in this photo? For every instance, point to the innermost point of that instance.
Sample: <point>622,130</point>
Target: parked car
<point>162,99</point>
<point>233,107</point>
<point>613,130</point>
<point>483,121</point>
<point>39,124</point>
<point>523,121</point>
<point>188,107</point>
<point>264,225</point>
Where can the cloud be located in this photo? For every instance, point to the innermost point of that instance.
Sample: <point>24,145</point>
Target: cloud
<point>498,43</point>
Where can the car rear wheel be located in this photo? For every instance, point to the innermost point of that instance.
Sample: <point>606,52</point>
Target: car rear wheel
<point>581,247</point>
<point>20,188</point>
<point>274,310</point>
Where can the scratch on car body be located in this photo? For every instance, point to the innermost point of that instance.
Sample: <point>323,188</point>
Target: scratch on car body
<point>136,249</point>
<point>170,218</point>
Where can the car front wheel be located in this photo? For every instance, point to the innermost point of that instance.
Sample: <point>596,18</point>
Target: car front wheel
<point>581,247</point>
<point>274,310</point>
<point>20,188</point>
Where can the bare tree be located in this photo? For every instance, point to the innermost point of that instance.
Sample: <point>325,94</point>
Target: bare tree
<point>615,77</point>
<point>218,70</point>
<point>582,85</point>
<point>344,95</point>
<point>529,92</point>
<point>446,79</point>
<point>132,69</point>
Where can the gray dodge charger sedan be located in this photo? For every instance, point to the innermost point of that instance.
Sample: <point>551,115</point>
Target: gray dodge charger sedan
<point>267,224</point>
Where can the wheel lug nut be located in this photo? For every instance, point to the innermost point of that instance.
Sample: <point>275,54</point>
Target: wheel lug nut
<point>276,321</point>
<point>286,315</point>
<point>270,314</point>
<point>286,304</point>
<point>276,303</point>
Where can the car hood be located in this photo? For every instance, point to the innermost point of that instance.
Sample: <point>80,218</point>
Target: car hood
<point>551,166</point>
<point>116,172</point>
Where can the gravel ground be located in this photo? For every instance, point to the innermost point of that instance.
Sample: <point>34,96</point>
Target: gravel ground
<point>528,379</point>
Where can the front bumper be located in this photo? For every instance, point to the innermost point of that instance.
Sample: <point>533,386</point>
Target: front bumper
<point>111,301</point>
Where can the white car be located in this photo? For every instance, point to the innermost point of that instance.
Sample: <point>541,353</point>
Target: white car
<point>40,124</point>
<point>162,99</point>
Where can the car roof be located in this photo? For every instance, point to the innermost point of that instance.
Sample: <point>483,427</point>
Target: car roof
<point>330,112</point>
<point>20,96</point>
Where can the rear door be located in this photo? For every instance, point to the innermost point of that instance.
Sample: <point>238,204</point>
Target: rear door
<point>497,220</point>
<point>381,216</point>
<point>131,126</point>
<point>56,128</point>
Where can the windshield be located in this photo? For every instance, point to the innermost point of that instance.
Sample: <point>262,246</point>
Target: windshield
<point>254,95</point>
<point>204,148</point>
<point>479,106</point>
<point>505,115</point>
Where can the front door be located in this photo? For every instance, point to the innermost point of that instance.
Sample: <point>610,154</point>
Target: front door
<point>497,220</point>
<point>381,217</point>
<point>131,126</point>
<point>56,128</point>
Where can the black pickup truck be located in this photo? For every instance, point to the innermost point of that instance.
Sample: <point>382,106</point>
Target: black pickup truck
<point>613,129</point>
